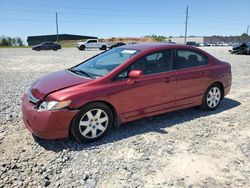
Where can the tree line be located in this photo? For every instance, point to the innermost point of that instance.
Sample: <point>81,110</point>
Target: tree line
<point>158,38</point>
<point>11,41</point>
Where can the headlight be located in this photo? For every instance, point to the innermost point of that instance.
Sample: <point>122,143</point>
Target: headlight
<point>27,89</point>
<point>53,105</point>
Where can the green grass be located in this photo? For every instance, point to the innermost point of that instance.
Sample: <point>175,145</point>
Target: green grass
<point>15,46</point>
<point>67,44</point>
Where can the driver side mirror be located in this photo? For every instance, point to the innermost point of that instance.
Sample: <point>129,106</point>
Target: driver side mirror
<point>135,74</point>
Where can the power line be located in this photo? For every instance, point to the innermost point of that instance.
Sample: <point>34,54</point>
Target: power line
<point>88,22</point>
<point>26,10</point>
<point>95,14</point>
<point>115,23</point>
<point>90,14</point>
<point>214,20</point>
<point>25,20</point>
<point>215,27</point>
<point>81,8</point>
<point>217,17</point>
<point>123,15</point>
<point>201,16</point>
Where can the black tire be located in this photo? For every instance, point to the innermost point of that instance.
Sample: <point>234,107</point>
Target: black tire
<point>82,47</point>
<point>55,49</point>
<point>103,47</point>
<point>248,51</point>
<point>75,124</point>
<point>207,103</point>
<point>38,49</point>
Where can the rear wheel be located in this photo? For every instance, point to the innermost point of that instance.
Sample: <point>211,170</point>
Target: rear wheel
<point>55,49</point>
<point>82,47</point>
<point>92,122</point>
<point>103,47</point>
<point>212,97</point>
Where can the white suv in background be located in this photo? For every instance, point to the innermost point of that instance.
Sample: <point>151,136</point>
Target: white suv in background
<point>91,43</point>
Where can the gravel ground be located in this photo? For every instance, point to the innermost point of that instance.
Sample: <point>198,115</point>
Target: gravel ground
<point>188,148</point>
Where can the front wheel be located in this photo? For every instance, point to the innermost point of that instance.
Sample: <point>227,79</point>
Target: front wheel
<point>212,97</point>
<point>92,122</point>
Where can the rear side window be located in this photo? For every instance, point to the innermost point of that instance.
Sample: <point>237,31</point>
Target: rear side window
<point>188,58</point>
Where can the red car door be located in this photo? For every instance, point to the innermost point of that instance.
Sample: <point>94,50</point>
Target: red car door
<point>193,77</point>
<point>154,91</point>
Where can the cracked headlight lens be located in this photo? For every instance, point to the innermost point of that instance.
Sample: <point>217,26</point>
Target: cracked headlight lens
<point>53,105</point>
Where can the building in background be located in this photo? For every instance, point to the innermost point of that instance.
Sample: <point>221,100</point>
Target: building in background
<point>228,39</point>
<point>180,40</point>
<point>33,40</point>
<point>210,39</point>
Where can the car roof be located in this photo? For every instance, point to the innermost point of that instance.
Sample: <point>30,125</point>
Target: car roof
<point>152,46</point>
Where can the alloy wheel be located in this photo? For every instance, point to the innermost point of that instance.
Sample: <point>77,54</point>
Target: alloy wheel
<point>213,97</point>
<point>93,123</point>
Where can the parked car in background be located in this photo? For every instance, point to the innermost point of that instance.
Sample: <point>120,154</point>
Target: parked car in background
<point>202,44</point>
<point>121,85</point>
<point>225,44</point>
<point>192,43</point>
<point>117,45</point>
<point>47,46</point>
<point>243,48</point>
<point>92,43</point>
<point>209,44</point>
<point>169,42</point>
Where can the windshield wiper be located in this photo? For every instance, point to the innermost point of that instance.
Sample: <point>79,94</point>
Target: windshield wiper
<point>77,71</point>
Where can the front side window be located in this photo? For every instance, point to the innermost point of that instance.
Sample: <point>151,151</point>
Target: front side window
<point>92,41</point>
<point>104,63</point>
<point>153,63</point>
<point>188,58</point>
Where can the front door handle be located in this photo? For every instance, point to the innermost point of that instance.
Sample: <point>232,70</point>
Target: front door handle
<point>204,73</point>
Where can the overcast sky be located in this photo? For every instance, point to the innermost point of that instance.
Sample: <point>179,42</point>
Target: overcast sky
<point>127,18</point>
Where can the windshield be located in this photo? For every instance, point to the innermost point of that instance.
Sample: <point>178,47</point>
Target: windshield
<point>104,63</point>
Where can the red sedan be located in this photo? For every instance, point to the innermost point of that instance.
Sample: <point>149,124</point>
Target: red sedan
<point>122,85</point>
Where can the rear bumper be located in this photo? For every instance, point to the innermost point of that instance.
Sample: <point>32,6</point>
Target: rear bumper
<point>46,124</point>
<point>226,90</point>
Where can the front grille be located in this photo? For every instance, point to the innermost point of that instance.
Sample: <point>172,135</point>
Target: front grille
<point>32,98</point>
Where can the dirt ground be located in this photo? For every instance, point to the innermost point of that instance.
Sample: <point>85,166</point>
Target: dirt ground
<point>188,148</point>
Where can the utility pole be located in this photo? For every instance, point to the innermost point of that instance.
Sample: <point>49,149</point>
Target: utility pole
<point>186,25</point>
<point>57,38</point>
<point>247,29</point>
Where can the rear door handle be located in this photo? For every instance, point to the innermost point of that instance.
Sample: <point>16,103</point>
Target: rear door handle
<point>169,79</point>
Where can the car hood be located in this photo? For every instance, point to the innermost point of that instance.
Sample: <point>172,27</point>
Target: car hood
<point>54,82</point>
